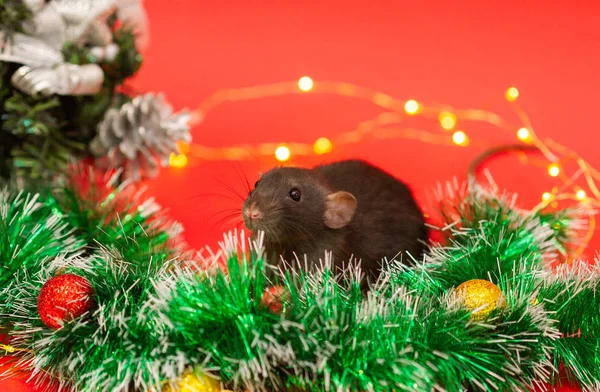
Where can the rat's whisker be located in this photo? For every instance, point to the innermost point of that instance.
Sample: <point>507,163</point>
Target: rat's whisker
<point>294,228</point>
<point>242,175</point>
<point>273,233</point>
<point>223,222</point>
<point>228,211</point>
<point>230,188</point>
<point>298,228</point>
<point>213,195</point>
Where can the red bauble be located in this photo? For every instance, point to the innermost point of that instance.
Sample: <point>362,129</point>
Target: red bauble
<point>274,297</point>
<point>63,298</point>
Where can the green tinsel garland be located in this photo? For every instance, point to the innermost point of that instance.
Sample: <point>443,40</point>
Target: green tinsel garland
<point>120,248</point>
<point>158,317</point>
<point>31,234</point>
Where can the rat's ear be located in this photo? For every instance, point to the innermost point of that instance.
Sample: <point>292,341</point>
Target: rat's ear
<point>339,209</point>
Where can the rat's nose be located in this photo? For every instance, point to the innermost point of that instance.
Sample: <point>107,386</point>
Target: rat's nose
<point>253,213</point>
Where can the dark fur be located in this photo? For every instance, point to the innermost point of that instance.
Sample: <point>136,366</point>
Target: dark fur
<point>388,220</point>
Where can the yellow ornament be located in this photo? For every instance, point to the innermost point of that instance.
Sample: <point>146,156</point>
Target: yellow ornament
<point>192,382</point>
<point>480,296</point>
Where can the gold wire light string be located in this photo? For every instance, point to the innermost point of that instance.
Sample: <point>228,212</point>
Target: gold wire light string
<point>536,141</point>
<point>352,137</point>
<point>248,151</point>
<point>350,90</point>
<point>386,101</point>
<point>397,111</point>
<point>11,349</point>
<point>380,99</point>
<point>589,172</point>
<point>15,350</point>
<point>418,135</point>
<point>551,199</point>
<point>286,88</point>
<point>591,221</point>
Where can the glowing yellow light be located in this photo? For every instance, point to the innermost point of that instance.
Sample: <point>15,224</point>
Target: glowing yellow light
<point>553,170</point>
<point>411,107</point>
<point>512,94</point>
<point>447,120</point>
<point>322,146</point>
<point>581,194</point>
<point>282,153</point>
<point>179,160</point>
<point>546,196</point>
<point>305,83</point>
<point>524,134</point>
<point>460,138</point>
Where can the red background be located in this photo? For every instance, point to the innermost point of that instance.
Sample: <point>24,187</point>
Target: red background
<point>464,54</point>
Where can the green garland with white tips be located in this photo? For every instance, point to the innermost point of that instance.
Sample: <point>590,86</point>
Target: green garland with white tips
<point>161,313</point>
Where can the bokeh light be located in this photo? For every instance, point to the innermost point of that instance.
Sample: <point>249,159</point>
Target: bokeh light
<point>447,120</point>
<point>523,134</point>
<point>411,106</point>
<point>305,83</point>
<point>512,94</point>
<point>282,153</point>
<point>178,160</point>
<point>553,170</point>
<point>322,146</point>
<point>460,138</point>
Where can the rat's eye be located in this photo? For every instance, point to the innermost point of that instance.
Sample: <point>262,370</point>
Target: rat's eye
<point>256,184</point>
<point>295,194</point>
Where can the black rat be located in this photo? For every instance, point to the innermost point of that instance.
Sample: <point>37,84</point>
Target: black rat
<point>349,208</point>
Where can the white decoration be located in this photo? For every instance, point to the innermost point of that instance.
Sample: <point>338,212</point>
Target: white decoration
<point>140,136</point>
<point>56,23</point>
<point>28,50</point>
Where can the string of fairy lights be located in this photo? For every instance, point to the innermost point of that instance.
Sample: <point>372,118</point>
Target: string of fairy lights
<point>386,126</point>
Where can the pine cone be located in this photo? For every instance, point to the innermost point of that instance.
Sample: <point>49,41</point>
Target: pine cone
<point>139,136</point>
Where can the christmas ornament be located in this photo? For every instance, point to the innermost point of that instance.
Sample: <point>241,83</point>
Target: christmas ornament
<point>273,298</point>
<point>80,15</point>
<point>63,298</point>
<point>64,79</point>
<point>192,382</point>
<point>23,49</point>
<point>51,26</point>
<point>140,136</point>
<point>480,296</point>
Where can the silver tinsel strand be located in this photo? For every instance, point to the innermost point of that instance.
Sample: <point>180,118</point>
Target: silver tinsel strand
<point>140,136</point>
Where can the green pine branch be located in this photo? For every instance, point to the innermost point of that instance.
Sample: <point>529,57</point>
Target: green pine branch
<point>40,135</point>
<point>12,15</point>
<point>41,148</point>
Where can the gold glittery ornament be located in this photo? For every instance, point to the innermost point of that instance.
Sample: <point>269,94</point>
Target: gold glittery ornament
<point>193,382</point>
<point>482,295</point>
